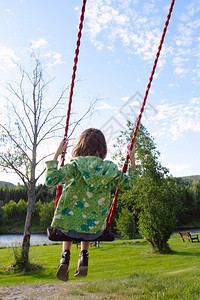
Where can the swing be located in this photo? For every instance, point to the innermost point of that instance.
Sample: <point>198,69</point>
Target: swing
<point>56,234</point>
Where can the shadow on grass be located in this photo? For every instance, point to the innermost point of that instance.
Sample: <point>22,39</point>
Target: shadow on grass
<point>36,272</point>
<point>185,253</point>
<point>12,269</point>
<point>138,242</point>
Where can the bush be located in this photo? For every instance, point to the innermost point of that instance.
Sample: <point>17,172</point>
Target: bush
<point>15,213</point>
<point>157,205</point>
<point>125,224</point>
<point>18,259</point>
<point>46,214</point>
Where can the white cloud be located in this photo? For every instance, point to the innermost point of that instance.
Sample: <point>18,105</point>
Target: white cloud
<point>180,70</point>
<point>194,24</point>
<point>105,105</point>
<point>8,58</point>
<point>187,56</point>
<point>125,99</point>
<point>193,7</point>
<point>138,25</point>
<point>174,120</point>
<point>35,44</point>
<point>99,45</point>
<point>106,23</point>
<point>54,58</point>
<point>172,84</point>
<point>195,100</point>
<point>7,10</point>
<point>149,7</point>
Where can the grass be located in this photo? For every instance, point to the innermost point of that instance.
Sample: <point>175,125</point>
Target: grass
<point>117,270</point>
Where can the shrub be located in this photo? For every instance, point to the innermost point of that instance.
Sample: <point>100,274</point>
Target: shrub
<point>125,224</point>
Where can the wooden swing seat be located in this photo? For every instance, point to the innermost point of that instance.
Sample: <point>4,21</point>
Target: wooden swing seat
<point>55,234</point>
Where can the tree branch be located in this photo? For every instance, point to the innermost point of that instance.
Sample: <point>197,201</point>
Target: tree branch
<point>10,165</point>
<point>83,117</point>
<point>52,109</point>
<point>15,142</point>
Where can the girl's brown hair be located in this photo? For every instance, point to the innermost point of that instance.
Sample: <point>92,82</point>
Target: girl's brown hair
<point>90,143</point>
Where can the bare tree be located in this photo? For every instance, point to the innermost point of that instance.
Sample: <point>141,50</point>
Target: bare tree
<point>29,126</point>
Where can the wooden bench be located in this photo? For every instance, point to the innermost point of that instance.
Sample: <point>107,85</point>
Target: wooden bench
<point>188,236</point>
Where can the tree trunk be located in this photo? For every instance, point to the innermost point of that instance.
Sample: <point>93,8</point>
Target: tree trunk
<point>31,189</point>
<point>28,224</point>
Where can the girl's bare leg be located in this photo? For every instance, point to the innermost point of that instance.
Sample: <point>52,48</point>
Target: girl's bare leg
<point>67,246</point>
<point>85,246</point>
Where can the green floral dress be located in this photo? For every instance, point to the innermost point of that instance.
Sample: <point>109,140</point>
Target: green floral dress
<point>85,200</point>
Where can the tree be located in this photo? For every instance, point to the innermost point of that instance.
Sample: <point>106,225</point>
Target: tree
<point>18,192</point>
<point>194,191</point>
<point>46,195</point>
<point>157,206</point>
<point>24,135</point>
<point>4,193</point>
<point>29,129</point>
<point>155,199</point>
<point>21,209</point>
<point>15,212</point>
<point>2,219</point>
<point>191,203</point>
<point>36,220</point>
<point>146,152</point>
<point>10,210</point>
<point>46,213</point>
<point>125,224</point>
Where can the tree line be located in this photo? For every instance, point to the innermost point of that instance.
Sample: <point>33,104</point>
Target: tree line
<point>182,198</point>
<point>19,191</point>
<point>14,203</point>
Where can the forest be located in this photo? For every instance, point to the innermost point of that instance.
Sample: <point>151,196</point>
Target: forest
<point>13,206</point>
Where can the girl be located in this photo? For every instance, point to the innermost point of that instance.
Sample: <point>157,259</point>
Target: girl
<point>85,199</point>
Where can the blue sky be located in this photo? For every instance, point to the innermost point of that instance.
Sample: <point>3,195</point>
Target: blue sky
<point>118,48</point>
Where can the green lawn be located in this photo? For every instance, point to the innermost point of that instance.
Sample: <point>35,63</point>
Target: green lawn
<point>122,268</point>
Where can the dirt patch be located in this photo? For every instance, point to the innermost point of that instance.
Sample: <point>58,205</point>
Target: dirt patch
<point>67,290</point>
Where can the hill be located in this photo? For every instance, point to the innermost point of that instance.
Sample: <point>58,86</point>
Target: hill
<point>9,184</point>
<point>191,178</point>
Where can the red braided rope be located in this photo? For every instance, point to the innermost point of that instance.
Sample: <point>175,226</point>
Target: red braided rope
<point>59,187</point>
<point>125,166</point>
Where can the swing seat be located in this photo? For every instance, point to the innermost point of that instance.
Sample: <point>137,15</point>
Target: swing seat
<point>55,234</point>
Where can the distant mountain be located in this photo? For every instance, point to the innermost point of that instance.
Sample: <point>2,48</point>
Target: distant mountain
<point>191,178</point>
<point>9,184</point>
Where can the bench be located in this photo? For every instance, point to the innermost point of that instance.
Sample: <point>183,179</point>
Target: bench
<point>188,236</point>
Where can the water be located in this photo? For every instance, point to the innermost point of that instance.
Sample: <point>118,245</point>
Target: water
<point>194,230</point>
<point>10,240</point>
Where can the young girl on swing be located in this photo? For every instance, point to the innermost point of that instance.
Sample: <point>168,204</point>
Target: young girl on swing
<point>84,203</point>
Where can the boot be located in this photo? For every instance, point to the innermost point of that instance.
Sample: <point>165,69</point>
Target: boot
<point>63,272</point>
<point>82,264</point>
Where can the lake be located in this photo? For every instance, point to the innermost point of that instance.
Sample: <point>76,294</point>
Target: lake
<point>9,240</point>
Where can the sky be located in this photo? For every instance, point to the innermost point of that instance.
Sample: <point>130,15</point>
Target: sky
<point>118,47</point>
